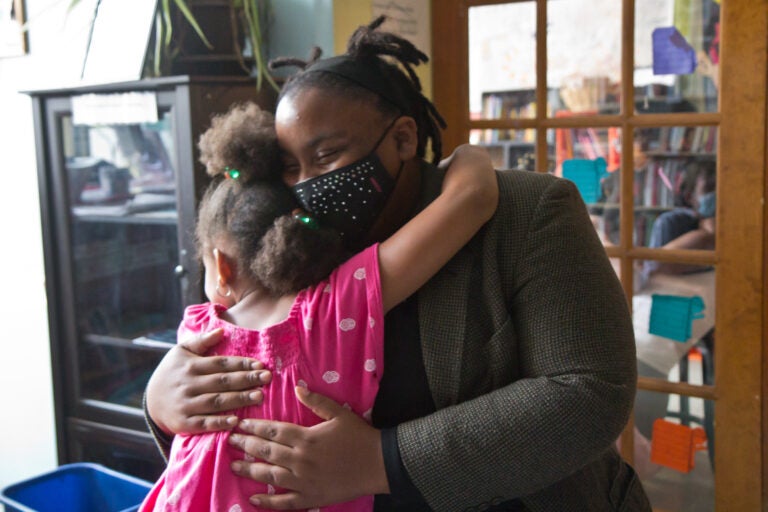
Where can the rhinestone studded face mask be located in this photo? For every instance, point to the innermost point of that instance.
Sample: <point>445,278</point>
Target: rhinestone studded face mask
<point>350,198</point>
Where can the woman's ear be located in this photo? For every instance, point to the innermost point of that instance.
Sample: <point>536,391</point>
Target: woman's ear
<point>407,137</point>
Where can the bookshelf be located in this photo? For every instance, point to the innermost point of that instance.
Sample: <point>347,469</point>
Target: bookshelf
<point>520,104</point>
<point>667,159</point>
<point>509,149</point>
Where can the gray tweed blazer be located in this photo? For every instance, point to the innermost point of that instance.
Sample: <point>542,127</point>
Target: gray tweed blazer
<point>529,352</point>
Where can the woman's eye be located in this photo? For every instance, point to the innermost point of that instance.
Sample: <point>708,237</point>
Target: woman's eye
<point>326,157</point>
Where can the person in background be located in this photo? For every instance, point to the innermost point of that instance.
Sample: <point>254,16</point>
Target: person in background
<point>509,375</point>
<point>691,226</point>
<point>610,190</point>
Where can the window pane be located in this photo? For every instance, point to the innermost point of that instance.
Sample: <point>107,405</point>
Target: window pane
<point>583,56</point>
<point>590,158</point>
<point>687,488</point>
<point>502,61</point>
<point>675,187</point>
<point>509,149</point>
<point>673,313</point>
<point>677,54</point>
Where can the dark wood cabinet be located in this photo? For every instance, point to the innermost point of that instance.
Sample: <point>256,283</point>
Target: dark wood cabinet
<point>119,183</point>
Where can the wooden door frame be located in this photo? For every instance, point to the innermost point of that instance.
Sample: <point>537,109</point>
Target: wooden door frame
<point>742,234</point>
<point>739,280</point>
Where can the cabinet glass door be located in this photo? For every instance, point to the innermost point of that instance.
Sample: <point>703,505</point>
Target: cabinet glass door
<point>121,182</point>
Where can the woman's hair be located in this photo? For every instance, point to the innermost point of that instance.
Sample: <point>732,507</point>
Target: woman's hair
<point>399,94</point>
<point>248,205</point>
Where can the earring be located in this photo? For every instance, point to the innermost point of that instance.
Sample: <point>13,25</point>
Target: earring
<point>218,290</point>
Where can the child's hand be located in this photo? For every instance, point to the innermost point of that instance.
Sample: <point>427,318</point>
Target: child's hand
<point>469,174</point>
<point>189,393</point>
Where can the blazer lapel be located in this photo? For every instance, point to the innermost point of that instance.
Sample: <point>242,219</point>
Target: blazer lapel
<point>442,305</point>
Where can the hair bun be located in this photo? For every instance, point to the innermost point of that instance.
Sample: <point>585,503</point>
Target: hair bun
<point>242,139</point>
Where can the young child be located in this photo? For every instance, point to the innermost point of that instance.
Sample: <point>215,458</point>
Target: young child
<point>270,279</point>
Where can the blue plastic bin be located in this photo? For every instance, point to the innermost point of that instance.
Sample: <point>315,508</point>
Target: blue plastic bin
<point>79,487</point>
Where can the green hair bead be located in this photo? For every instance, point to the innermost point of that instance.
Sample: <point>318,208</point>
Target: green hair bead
<point>306,219</point>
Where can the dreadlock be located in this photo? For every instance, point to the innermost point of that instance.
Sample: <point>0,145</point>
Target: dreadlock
<point>371,52</point>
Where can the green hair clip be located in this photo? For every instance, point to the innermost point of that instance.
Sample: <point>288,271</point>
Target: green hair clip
<point>305,219</point>
<point>232,174</point>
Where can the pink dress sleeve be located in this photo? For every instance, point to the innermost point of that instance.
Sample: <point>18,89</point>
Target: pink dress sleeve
<point>343,332</point>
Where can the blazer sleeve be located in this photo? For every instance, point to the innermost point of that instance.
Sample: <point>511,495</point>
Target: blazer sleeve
<point>162,440</point>
<point>573,341</point>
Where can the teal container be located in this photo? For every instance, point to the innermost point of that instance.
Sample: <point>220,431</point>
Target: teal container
<point>79,487</point>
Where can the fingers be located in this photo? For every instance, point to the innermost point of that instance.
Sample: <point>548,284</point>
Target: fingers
<point>202,424</point>
<point>201,343</point>
<point>278,432</point>
<point>319,404</point>
<point>224,364</point>
<point>210,403</point>
<point>280,455</point>
<point>287,501</point>
<point>269,474</point>
<point>227,381</point>
<point>445,162</point>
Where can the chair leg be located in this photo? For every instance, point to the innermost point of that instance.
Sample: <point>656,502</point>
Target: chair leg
<point>705,346</point>
<point>685,406</point>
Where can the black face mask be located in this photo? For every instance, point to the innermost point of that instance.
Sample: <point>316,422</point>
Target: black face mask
<point>350,198</point>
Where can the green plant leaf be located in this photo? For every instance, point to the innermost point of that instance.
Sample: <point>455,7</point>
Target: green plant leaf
<point>251,12</point>
<point>166,22</point>
<point>72,5</point>
<point>184,8</point>
<point>158,43</point>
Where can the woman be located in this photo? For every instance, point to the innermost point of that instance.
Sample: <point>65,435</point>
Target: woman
<point>523,372</point>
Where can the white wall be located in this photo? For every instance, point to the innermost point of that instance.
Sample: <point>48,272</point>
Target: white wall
<point>27,443</point>
<point>298,25</point>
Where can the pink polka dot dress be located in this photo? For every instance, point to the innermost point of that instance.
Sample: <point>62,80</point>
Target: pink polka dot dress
<point>331,342</point>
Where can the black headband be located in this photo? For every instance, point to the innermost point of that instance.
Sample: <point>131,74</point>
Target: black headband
<point>368,72</point>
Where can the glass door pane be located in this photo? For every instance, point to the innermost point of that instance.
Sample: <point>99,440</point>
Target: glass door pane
<point>509,149</point>
<point>673,313</point>
<point>677,55</point>
<point>583,56</point>
<point>675,187</point>
<point>502,61</point>
<point>591,158</point>
<point>663,423</point>
<point>121,183</point>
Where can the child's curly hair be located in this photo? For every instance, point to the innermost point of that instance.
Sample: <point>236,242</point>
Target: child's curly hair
<point>249,205</point>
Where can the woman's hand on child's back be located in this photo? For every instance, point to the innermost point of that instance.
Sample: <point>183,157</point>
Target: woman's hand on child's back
<point>337,460</point>
<point>188,392</point>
